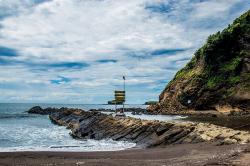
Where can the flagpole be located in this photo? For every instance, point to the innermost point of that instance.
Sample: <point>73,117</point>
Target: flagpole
<point>124,83</point>
<point>124,92</point>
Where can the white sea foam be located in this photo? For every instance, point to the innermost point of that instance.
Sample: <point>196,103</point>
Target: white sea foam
<point>152,117</point>
<point>20,131</point>
<point>37,133</point>
<point>87,146</point>
<point>51,138</point>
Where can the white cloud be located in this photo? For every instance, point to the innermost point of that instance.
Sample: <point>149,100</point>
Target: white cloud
<point>213,8</point>
<point>88,31</point>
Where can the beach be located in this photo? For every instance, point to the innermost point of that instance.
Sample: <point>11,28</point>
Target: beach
<point>221,151</point>
<point>185,148</point>
<point>187,154</point>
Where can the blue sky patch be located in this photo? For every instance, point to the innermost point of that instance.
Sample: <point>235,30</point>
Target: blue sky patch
<point>160,7</point>
<point>168,51</point>
<point>7,52</point>
<point>61,80</point>
<point>153,53</point>
<point>73,65</point>
<point>107,61</point>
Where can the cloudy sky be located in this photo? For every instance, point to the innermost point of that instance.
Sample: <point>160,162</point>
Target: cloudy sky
<point>76,51</point>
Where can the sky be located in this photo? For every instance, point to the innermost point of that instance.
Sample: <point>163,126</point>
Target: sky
<point>76,51</point>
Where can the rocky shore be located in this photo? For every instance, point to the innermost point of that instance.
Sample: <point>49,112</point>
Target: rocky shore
<point>96,125</point>
<point>133,110</point>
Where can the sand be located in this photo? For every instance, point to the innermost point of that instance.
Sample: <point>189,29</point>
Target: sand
<point>185,154</point>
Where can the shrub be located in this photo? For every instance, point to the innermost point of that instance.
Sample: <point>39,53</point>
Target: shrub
<point>234,80</point>
<point>214,81</point>
<point>232,65</point>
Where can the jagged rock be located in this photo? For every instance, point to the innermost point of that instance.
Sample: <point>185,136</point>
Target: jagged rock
<point>133,110</point>
<point>36,110</point>
<point>46,111</point>
<point>95,125</point>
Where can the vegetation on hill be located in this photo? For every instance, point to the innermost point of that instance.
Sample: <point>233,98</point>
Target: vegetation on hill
<point>218,74</point>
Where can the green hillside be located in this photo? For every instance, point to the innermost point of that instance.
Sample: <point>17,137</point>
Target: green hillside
<point>217,75</point>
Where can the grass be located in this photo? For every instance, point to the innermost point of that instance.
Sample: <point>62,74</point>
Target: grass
<point>214,81</point>
<point>232,65</point>
<point>234,80</point>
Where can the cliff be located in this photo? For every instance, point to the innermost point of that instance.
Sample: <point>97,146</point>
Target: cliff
<point>217,77</point>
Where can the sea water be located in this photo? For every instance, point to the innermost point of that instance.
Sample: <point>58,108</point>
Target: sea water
<point>20,131</point>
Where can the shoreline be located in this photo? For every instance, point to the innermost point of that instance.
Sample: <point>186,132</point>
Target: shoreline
<point>147,133</point>
<point>203,146</point>
<point>185,154</point>
<point>57,150</point>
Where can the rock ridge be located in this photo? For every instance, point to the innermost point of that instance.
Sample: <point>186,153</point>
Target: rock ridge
<point>145,133</point>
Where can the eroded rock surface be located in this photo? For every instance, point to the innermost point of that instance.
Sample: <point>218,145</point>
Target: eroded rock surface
<point>145,133</point>
<point>46,111</point>
<point>133,110</point>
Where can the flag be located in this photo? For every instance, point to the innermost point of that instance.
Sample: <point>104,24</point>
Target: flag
<point>123,77</point>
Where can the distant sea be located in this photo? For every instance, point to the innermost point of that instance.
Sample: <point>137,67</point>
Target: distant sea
<point>20,131</point>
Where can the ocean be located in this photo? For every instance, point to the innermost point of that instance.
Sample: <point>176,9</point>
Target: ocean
<point>20,131</point>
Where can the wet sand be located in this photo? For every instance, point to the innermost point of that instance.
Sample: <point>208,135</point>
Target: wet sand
<point>185,154</point>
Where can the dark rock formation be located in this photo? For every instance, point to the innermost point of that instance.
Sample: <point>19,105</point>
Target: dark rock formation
<point>217,77</point>
<point>46,111</point>
<point>36,110</point>
<point>49,110</point>
<point>95,125</point>
<point>133,110</point>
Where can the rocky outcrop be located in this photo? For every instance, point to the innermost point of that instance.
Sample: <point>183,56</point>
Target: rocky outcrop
<point>46,111</point>
<point>36,110</point>
<point>49,110</point>
<point>217,77</point>
<point>96,125</point>
<point>133,110</point>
